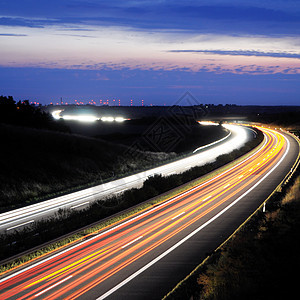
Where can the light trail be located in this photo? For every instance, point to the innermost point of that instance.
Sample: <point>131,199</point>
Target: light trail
<point>20,225</point>
<point>86,118</point>
<point>47,208</point>
<point>53,286</point>
<point>132,243</point>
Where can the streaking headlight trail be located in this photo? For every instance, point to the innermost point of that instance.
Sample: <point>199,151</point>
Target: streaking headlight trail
<point>86,118</point>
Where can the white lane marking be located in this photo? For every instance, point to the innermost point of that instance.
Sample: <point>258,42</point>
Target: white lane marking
<point>225,186</point>
<point>81,204</point>
<point>240,176</point>
<point>216,142</point>
<point>134,218</point>
<point>206,198</point>
<point>178,215</point>
<point>128,244</point>
<point>19,225</point>
<point>125,281</point>
<point>52,286</point>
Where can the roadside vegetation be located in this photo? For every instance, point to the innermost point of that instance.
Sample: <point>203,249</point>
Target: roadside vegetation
<point>47,230</point>
<point>22,113</point>
<point>259,261</point>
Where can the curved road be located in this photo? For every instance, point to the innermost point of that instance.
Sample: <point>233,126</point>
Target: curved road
<point>144,256</point>
<point>18,218</point>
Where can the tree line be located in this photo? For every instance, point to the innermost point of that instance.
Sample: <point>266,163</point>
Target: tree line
<point>22,113</point>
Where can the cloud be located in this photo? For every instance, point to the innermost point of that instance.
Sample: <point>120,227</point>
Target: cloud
<point>203,16</point>
<point>101,77</point>
<point>12,34</point>
<point>242,53</point>
<point>77,35</point>
<point>102,47</point>
<point>33,22</point>
<point>13,21</point>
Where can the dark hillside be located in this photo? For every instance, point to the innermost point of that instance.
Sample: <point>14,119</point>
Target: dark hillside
<point>150,133</point>
<point>34,163</point>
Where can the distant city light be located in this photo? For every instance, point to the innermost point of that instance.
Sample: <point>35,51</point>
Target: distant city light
<point>119,119</point>
<point>81,118</point>
<point>107,119</point>
<point>102,102</point>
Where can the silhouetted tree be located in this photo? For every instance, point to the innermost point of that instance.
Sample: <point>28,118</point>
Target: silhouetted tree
<point>25,114</point>
<point>8,109</point>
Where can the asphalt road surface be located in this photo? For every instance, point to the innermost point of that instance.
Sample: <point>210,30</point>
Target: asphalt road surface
<point>144,256</point>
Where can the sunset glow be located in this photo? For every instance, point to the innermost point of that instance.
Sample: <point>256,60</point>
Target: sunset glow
<point>123,49</point>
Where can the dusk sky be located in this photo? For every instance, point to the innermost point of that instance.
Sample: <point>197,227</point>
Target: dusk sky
<point>221,51</point>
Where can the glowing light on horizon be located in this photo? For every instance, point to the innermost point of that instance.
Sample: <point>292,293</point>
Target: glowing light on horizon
<point>107,119</point>
<point>81,118</point>
<point>120,119</point>
<point>56,114</point>
<point>86,118</point>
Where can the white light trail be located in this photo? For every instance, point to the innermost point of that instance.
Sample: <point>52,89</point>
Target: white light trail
<point>86,118</point>
<point>107,119</point>
<point>56,114</point>
<point>81,118</point>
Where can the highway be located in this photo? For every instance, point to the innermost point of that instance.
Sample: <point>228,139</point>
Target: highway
<point>144,256</point>
<point>19,218</point>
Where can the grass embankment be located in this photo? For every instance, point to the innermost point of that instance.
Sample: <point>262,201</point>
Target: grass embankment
<point>259,261</point>
<point>47,230</point>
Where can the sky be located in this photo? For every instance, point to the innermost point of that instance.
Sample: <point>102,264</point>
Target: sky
<point>220,51</point>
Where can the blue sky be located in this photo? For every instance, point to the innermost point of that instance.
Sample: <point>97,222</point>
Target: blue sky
<point>241,52</point>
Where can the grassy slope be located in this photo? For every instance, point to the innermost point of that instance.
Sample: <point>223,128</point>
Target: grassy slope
<point>35,162</point>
